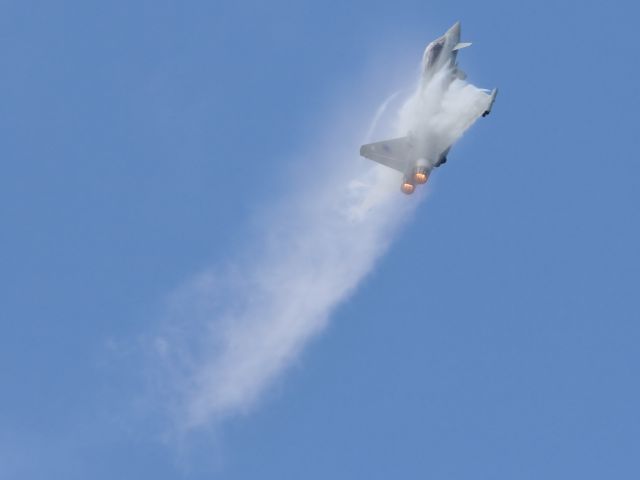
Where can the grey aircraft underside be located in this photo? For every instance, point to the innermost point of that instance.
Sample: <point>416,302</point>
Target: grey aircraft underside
<point>410,155</point>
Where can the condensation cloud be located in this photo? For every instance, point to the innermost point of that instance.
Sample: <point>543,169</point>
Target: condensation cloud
<point>232,333</point>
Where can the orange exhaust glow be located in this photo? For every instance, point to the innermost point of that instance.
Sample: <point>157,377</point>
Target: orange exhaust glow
<point>421,177</point>
<point>407,188</point>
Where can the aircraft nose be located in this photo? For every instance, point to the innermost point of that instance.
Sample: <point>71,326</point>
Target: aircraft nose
<point>454,30</point>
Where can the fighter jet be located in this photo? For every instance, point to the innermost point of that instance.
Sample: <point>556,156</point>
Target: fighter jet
<point>411,154</point>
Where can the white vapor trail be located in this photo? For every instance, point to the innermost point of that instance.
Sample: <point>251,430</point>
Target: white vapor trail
<point>237,331</point>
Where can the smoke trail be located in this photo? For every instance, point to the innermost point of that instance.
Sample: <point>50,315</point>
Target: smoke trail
<point>245,326</point>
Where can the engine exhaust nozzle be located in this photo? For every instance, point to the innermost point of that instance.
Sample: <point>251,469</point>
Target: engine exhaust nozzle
<point>421,175</point>
<point>407,187</point>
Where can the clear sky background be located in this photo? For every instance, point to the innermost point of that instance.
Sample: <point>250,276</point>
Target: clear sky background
<point>498,338</point>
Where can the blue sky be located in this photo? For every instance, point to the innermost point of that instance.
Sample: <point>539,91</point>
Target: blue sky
<point>497,338</point>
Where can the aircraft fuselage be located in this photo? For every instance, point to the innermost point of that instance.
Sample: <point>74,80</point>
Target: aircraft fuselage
<point>415,155</point>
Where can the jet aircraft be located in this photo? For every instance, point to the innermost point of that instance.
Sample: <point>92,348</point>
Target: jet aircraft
<point>410,155</point>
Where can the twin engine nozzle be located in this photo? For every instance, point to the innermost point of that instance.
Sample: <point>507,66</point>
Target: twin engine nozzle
<point>419,177</point>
